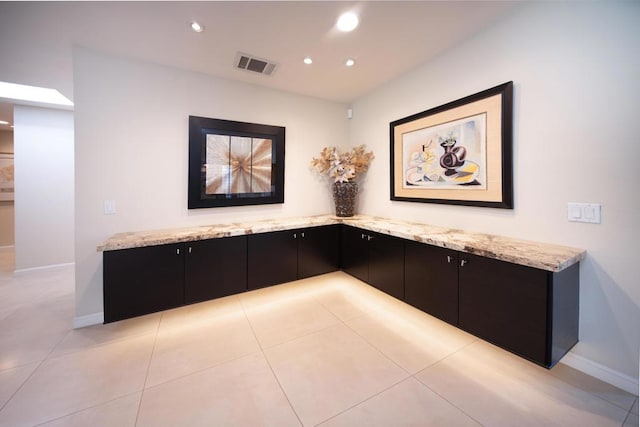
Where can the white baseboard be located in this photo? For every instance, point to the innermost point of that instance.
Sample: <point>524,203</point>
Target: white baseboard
<point>601,372</point>
<point>88,320</point>
<point>43,268</point>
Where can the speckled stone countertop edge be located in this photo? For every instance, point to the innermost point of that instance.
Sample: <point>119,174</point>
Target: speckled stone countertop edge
<point>550,257</point>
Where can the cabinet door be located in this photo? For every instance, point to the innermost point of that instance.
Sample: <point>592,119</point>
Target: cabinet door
<point>386,264</point>
<point>355,252</point>
<point>318,250</point>
<point>272,258</point>
<point>142,280</point>
<point>215,268</point>
<point>431,280</point>
<point>504,303</point>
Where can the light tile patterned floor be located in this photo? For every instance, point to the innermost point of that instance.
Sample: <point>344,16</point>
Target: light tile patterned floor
<point>327,351</point>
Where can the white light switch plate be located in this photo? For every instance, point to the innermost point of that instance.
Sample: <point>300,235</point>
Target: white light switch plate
<point>584,212</point>
<point>109,207</point>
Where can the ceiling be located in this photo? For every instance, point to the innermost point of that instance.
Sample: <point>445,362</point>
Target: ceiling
<point>393,37</point>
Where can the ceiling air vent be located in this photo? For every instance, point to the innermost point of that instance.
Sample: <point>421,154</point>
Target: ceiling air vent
<point>254,64</point>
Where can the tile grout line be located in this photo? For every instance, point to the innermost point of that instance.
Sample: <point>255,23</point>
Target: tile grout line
<point>40,363</point>
<point>199,371</point>
<point>629,414</point>
<point>448,401</point>
<point>270,367</point>
<point>344,322</point>
<point>595,395</point>
<point>282,388</point>
<point>87,408</point>
<point>377,349</point>
<point>414,376</point>
<point>22,385</point>
<point>146,376</point>
<point>219,363</point>
<point>338,321</point>
<point>98,345</point>
<point>363,401</point>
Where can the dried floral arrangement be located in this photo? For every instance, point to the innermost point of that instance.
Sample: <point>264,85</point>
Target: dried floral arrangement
<point>343,166</point>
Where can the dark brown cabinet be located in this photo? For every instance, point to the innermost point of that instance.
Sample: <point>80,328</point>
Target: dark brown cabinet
<point>284,256</point>
<point>528,311</point>
<point>272,259</point>
<point>145,280</point>
<point>375,258</point>
<point>215,268</point>
<point>531,312</point>
<point>318,250</point>
<point>431,280</point>
<point>142,280</point>
<point>355,253</point>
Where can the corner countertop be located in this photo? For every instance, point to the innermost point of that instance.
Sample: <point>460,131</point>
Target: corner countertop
<point>544,256</point>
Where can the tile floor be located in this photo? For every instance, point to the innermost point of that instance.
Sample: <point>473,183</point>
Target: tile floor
<point>327,351</point>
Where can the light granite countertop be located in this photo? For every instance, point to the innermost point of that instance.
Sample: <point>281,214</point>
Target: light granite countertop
<point>544,256</point>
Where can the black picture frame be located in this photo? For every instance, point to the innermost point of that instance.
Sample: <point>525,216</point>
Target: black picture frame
<point>423,172</point>
<point>234,163</point>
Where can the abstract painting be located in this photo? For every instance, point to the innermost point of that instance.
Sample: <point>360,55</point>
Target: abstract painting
<point>458,153</point>
<point>234,163</point>
<point>449,155</point>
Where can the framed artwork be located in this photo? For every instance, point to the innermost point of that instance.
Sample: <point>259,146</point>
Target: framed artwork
<point>459,153</point>
<point>234,163</point>
<point>7,190</point>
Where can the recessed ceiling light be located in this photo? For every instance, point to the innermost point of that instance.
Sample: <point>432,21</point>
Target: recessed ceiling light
<point>197,27</point>
<point>308,60</point>
<point>347,22</point>
<point>350,62</point>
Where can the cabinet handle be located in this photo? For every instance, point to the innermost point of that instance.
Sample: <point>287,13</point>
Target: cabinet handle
<point>362,236</point>
<point>295,235</point>
<point>463,262</point>
<point>178,251</point>
<point>369,238</point>
<point>449,259</point>
<point>189,249</point>
<point>302,234</point>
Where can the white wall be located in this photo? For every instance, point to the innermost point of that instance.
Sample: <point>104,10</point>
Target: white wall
<point>43,145</point>
<point>132,147</point>
<point>576,71</point>
<point>6,208</point>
